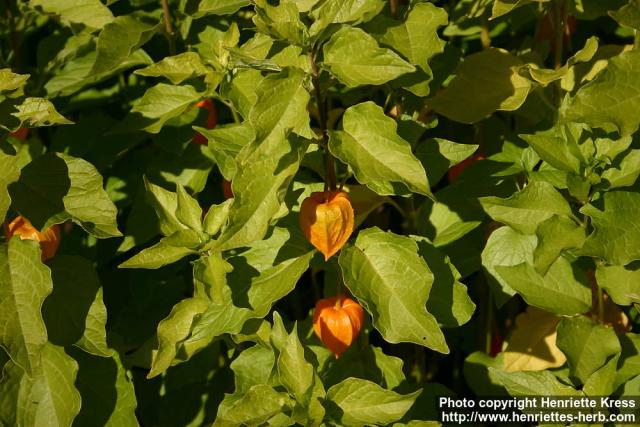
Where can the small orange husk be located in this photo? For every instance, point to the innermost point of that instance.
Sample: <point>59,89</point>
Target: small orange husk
<point>326,219</point>
<point>49,239</point>
<point>337,322</point>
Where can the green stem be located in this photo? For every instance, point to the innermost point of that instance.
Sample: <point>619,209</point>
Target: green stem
<point>600,305</point>
<point>166,17</point>
<point>330,169</point>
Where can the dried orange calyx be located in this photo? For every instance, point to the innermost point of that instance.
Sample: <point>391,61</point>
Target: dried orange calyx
<point>49,239</point>
<point>337,322</point>
<point>326,219</point>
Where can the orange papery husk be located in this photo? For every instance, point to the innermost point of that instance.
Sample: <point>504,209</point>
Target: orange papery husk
<point>49,239</point>
<point>326,219</point>
<point>337,321</point>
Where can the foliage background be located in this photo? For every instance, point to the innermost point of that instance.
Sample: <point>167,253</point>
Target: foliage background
<point>170,305</point>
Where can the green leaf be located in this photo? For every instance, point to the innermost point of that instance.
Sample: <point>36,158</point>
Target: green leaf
<point>527,208</point>
<point>68,309</point>
<point>621,283</point>
<point>280,21</point>
<point>216,217</point>
<point>35,112</point>
<point>92,13</point>
<point>188,210</point>
<point>108,395</point>
<point>626,174</point>
<point>360,402</point>
<point>119,39</point>
<point>373,268</point>
<point>448,299</point>
<point>602,381</point>
<point>264,172</point>
<point>555,235</point>
<point>218,7</point>
<point>558,291</point>
<point>162,253</point>
<point>281,106</point>
<point>557,149</point>
<point>177,68</point>
<point>56,187</point>
<point>225,142</point>
<point>612,98</point>
<point>448,224</point>
<point>296,374</point>
<point>355,58</point>
<point>380,158</point>
<point>165,204</point>
<point>49,391</point>
<point>9,173</point>
<point>253,366</point>
<point>163,102</point>
<point>343,12</point>
<point>628,15</point>
<point>24,284</point>
<point>173,329</point>
<point>256,407</point>
<point>532,383</point>
<point>506,247</point>
<point>94,338</point>
<point>586,344</point>
<point>616,238</point>
<point>485,82</point>
<point>502,7</point>
<point>438,155</point>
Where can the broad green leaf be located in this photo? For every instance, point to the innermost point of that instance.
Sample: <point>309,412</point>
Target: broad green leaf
<point>260,277</point>
<point>35,112</point>
<point>532,383</point>
<point>343,12</point>
<point>163,102</point>
<point>375,269</point>
<point>380,158</point>
<point>506,247</point>
<point>602,381</point>
<point>586,344</point>
<point>527,208</point>
<point>67,311</point>
<point>225,142</point>
<point>177,68</point>
<point>628,15</point>
<point>47,397</point>
<point>555,235</point>
<point>557,149</point>
<point>256,407</point>
<point>173,329</point>
<point>77,74</point>
<point>621,283</point>
<point>264,173</point>
<point>218,7</point>
<point>162,253</point>
<point>478,376</point>
<point>92,13</point>
<point>119,39</point>
<point>448,299</point>
<point>485,82</point>
<point>355,58</point>
<point>188,210</point>
<point>209,277</point>
<point>108,395</point>
<point>253,366</point>
<point>448,224</point>
<point>12,84</point>
<point>629,366</point>
<point>502,7</point>
<point>437,155</point>
<point>532,344</point>
<point>626,173</point>
<point>216,217</point>
<point>56,187</point>
<point>24,284</point>
<point>281,21</point>
<point>94,338</point>
<point>281,106</point>
<point>417,40</point>
<point>296,374</point>
<point>616,238</point>
<point>165,204</point>
<point>558,291</point>
<point>9,173</point>
<point>241,90</point>
<point>611,98</point>
<point>361,402</point>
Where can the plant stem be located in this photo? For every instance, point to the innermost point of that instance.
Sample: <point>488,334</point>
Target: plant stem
<point>489,322</point>
<point>485,38</point>
<point>330,170</point>
<point>600,305</point>
<point>166,16</point>
<point>560,21</point>
<point>393,5</point>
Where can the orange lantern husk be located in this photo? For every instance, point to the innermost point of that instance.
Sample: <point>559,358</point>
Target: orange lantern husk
<point>327,219</point>
<point>212,120</point>
<point>49,239</point>
<point>226,189</point>
<point>337,322</point>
